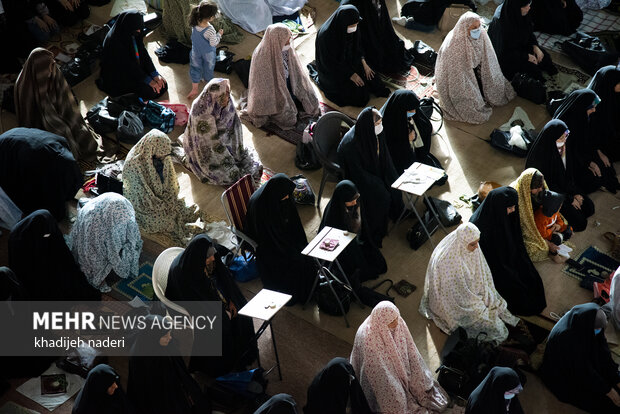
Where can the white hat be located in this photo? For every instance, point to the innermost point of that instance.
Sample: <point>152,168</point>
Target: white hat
<point>161,269</point>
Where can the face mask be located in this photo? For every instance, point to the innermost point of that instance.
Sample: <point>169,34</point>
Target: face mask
<point>475,33</point>
<point>378,129</point>
<point>351,29</point>
<point>410,114</point>
<point>286,47</point>
<point>597,331</point>
<point>509,396</point>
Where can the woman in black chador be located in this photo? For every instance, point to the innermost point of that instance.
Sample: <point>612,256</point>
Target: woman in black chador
<point>273,222</point>
<point>383,49</point>
<point>198,274</point>
<point>496,394</point>
<point>345,212</point>
<point>515,44</point>
<point>367,163</point>
<point>515,277</point>
<point>553,154</point>
<point>577,366</point>
<point>102,394</point>
<point>343,73</point>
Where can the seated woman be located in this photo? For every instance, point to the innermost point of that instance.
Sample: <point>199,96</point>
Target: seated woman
<point>363,155</point>
<point>384,50</point>
<point>408,131</point>
<point>273,222</point>
<point>43,263</point>
<point>150,184</point>
<point>334,389</point>
<point>501,240</point>
<point>35,14</point>
<point>102,393</point>
<point>159,381</point>
<point>605,121</point>
<point>44,100</point>
<point>459,289</point>
<point>550,223</point>
<point>105,238</point>
<point>29,155</point>
<point>344,212</point>
<point>561,17</point>
<point>198,274</point>
<point>530,187</point>
<point>213,138</point>
<point>278,83</point>
<point>342,71</point>
<point>515,44</point>
<point>126,66</point>
<point>278,404</point>
<point>497,393</point>
<point>577,366</point>
<point>391,371</point>
<point>469,79</point>
<point>592,167</point>
<point>551,156</point>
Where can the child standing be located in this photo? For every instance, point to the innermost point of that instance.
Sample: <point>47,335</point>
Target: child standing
<point>550,223</point>
<point>204,42</point>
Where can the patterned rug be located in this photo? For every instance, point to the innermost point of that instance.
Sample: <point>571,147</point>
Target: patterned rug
<point>567,79</point>
<point>294,135</point>
<point>412,80</point>
<point>141,286</point>
<point>595,261</point>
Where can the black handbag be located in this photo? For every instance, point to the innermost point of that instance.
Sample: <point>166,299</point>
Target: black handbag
<point>588,52</point>
<point>325,297</point>
<point>223,60</point>
<point>242,67</point>
<point>81,360</point>
<point>445,210</point>
<point>416,236</point>
<point>425,58</point>
<point>100,119</point>
<point>453,380</point>
<point>529,88</point>
<point>76,71</point>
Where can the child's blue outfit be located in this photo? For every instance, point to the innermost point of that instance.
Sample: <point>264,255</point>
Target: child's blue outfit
<point>202,55</point>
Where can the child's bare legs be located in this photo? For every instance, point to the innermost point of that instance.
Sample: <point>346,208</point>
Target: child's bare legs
<point>194,92</point>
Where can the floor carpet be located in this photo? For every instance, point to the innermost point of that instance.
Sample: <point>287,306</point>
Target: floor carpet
<point>294,135</point>
<point>412,80</point>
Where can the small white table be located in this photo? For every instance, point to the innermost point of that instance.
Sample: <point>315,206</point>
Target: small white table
<point>415,181</point>
<point>322,256</point>
<point>264,306</point>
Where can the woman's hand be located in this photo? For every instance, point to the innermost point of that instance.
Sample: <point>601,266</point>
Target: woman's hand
<point>161,82</point>
<point>76,3</point>
<point>42,25</point>
<point>355,78</point>
<point>552,247</point>
<point>532,59</point>
<point>369,72</point>
<point>595,169</point>
<point>576,204</point>
<point>604,158</point>
<point>614,397</point>
<point>539,54</point>
<point>51,23</point>
<point>155,86</point>
<point>412,135</point>
<point>579,198</point>
<point>68,5</point>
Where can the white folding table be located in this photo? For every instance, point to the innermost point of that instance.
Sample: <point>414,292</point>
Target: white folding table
<point>264,306</point>
<point>321,256</point>
<point>415,182</point>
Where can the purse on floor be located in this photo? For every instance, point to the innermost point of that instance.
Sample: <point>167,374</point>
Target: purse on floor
<point>529,88</point>
<point>445,210</point>
<point>424,58</point>
<point>224,60</point>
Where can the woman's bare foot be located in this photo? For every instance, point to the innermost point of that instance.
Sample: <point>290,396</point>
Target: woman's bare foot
<point>192,94</point>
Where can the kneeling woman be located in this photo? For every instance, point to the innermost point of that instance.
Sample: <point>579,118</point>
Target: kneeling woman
<point>469,78</point>
<point>126,66</point>
<point>390,369</point>
<point>577,365</point>
<point>278,83</point>
<point>459,288</point>
<point>343,74</point>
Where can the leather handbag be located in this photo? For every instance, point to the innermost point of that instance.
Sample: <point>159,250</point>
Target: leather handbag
<point>451,15</point>
<point>529,88</point>
<point>224,60</point>
<point>453,380</point>
<point>485,188</point>
<point>445,210</point>
<point>416,236</point>
<point>424,58</point>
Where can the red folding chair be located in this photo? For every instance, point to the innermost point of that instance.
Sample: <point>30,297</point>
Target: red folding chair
<point>235,201</point>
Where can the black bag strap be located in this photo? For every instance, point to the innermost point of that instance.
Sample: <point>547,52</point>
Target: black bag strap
<point>387,292</point>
